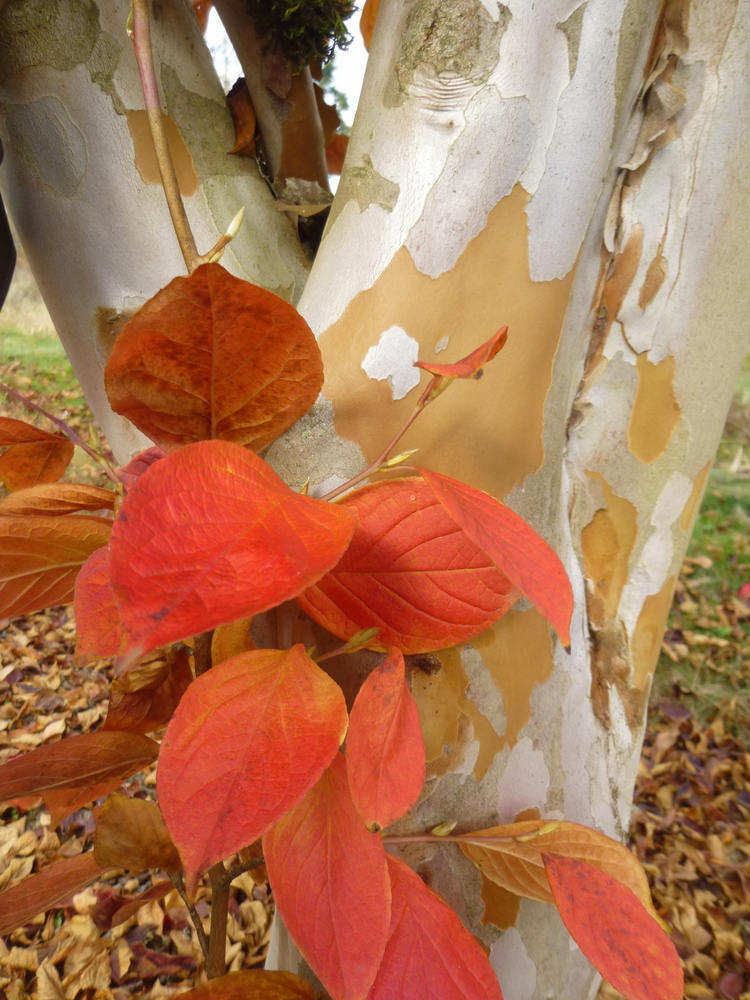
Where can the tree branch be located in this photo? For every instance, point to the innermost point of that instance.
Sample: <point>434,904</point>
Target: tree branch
<point>239,869</point>
<point>216,961</point>
<point>179,884</point>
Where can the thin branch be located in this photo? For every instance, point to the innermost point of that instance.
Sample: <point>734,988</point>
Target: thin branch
<point>67,430</point>
<point>244,866</point>
<point>144,58</point>
<point>216,961</point>
<point>179,884</point>
<point>426,397</point>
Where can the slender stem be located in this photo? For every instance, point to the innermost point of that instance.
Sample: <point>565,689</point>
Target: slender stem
<point>202,652</point>
<point>179,884</point>
<point>244,866</point>
<point>430,838</point>
<point>68,431</point>
<point>144,58</point>
<point>383,456</point>
<point>216,961</point>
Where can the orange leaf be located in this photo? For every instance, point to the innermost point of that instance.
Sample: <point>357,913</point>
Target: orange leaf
<point>41,556</point>
<point>130,833</point>
<point>48,888</point>
<point>14,431</point>
<point>98,625</point>
<point>248,740</point>
<point>613,930</point>
<point>210,534</point>
<point>470,366</point>
<point>514,547</point>
<point>212,356</point>
<point>385,756</point>
<point>61,802</point>
<point>28,464</point>
<point>336,152</point>
<point>253,984</point>
<point>367,21</point>
<point>411,571</point>
<point>57,498</point>
<point>76,762</point>
<point>517,865</point>
<point>243,115</point>
<point>330,883</point>
<point>149,708</point>
<point>231,640</point>
<point>429,952</point>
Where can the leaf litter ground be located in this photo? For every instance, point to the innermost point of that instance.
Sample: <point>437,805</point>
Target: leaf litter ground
<point>691,817</point>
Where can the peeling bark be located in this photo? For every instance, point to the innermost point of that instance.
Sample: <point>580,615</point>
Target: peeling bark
<point>81,184</point>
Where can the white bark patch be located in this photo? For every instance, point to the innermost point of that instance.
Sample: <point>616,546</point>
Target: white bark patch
<point>525,782</point>
<point>392,358</point>
<point>482,689</point>
<point>486,160</point>
<point>589,99</point>
<point>514,968</point>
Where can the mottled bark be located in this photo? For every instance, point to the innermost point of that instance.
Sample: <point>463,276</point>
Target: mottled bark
<point>81,182</point>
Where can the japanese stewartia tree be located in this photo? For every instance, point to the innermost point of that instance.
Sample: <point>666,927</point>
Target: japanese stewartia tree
<point>571,171</point>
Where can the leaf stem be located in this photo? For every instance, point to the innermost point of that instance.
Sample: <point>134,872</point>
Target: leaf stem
<point>66,429</point>
<point>179,884</point>
<point>202,652</point>
<point>374,467</point>
<point>431,838</point>
<point>216,960</point>
<point>145,60</point>
<point>239,869</point>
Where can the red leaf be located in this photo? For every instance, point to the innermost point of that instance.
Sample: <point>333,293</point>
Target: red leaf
<point>411,571</point>
<point>98,625</point>
<point>46,889</point>
<point>614,931</point>
<point>249,738</point>
<point>40,558</point>
<point>470,366</point>
<point>14,431</point>
<point>429,952</point>
<point>42,461</point>
<point>57,498</point>
<point>150,708</point>
<point>253,984</point>
<point>138,465</point>
<point>76,762</point>
<point>330,883</point>
<point>210,534</point>
<point>385,756</point>
<point>212,356</point>
<point>514,547</point>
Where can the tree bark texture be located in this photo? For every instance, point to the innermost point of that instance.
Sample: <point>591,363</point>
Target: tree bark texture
<point>82,185</point>
<point>578,172</point>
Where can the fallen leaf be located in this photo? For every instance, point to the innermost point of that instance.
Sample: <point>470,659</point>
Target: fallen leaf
<point>130,833</point>
<point>253,984</point>
<point>76,762</point>
<point>614,931</point>
<point>411,571</point>
<point>210,534</point>
<point>99,629</point>
<point>131,906</point>
<point>323,862</point>
<point>248,740</point>
<point>385,755</point>
<point>57,498</point>
<point>515,548</point>
<point>429,951</point>
<point>149,708</point>
<point>470,366</point>
<point>41,557</point>
<point>48,888</point>
<point>517,864</point>
<point>212,356</point>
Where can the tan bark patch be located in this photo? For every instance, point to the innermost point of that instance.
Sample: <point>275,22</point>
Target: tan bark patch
<point>145,157</point>
<point>691,507</point>
<point>607,542</point>
<point>656,411</point>
<point>500,906</point>
<point>647,635</point>
<point>502,415</point>
<point>655,277</point>
<point>623,273</point>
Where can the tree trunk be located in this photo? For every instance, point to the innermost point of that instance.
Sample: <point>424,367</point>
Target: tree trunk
<point>81,182</point>
<point>578,172</point>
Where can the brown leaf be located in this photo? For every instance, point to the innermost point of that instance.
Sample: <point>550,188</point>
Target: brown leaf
<point>367,21</point>
<point>130,833</point>
<point>57,498</point>
<point>40,558</point>
<point>243,116</point>
<point>231,640</point>
<point>211,356</point>
<point>41,462</point>
<point>157,891</point>
<point>149,708</point>
<point>253,984</point>
<point>336,152</point>
<point>48,888</point>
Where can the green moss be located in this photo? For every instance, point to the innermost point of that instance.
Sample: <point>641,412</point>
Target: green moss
<point>306,29</point>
